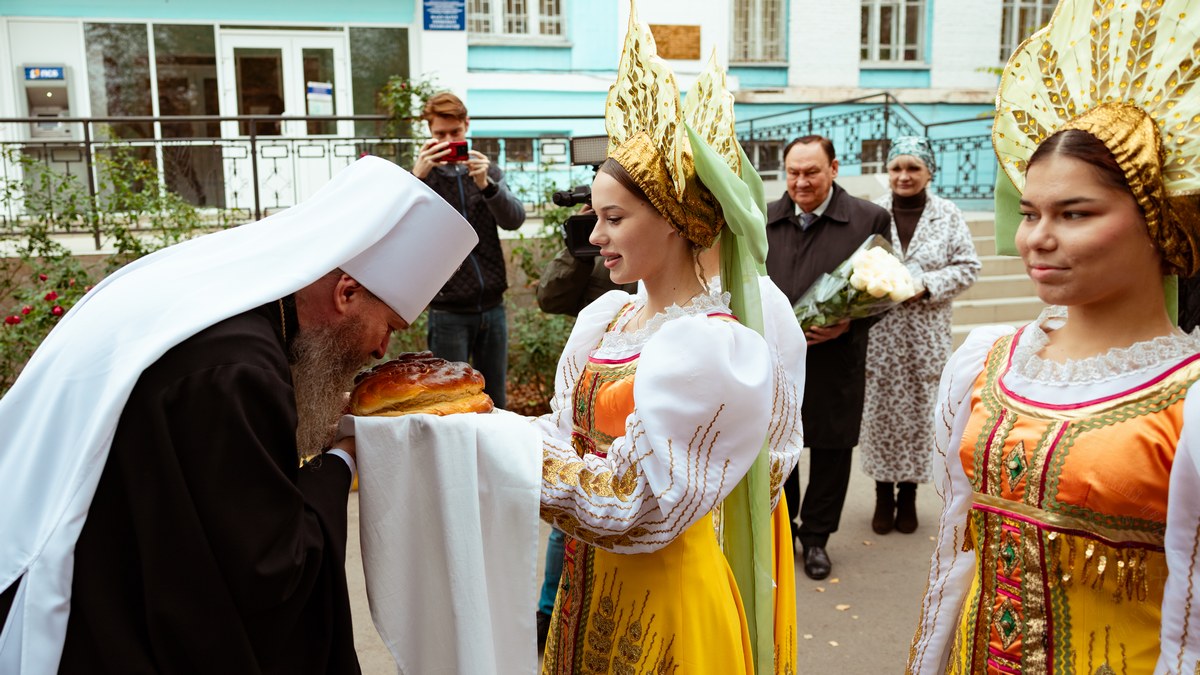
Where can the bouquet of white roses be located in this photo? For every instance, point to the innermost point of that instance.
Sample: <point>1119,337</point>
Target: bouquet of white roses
<point>869,282</point>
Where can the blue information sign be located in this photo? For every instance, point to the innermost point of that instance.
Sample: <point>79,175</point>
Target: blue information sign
<point>445,14</point>
<point>44,73</point>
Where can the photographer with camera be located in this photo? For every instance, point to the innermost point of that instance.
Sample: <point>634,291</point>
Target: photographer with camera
<point>466,318</point>
<point>577,275</point>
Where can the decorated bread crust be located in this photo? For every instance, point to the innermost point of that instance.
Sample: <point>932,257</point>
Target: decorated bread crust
<point>419,382</point>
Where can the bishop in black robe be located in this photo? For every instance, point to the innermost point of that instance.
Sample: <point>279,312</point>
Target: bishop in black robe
<point>207,548</point>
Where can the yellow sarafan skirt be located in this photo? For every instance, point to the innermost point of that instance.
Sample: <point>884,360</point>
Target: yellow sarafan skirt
<point>676,610</point>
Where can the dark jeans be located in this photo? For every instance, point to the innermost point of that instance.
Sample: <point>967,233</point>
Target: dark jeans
<point>554,562</point>
<point>821,510</point>
<point>480,339</point>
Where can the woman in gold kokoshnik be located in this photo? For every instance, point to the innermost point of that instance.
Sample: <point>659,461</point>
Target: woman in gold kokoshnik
<point>1068,451</point>
<point>673,419</point>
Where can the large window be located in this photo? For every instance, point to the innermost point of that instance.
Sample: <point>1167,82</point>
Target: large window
<point>185,59</point>
<point>1021,18</point>
<point>375,55</point>
<point>893,30</point>
<point>758,30</point>
<point>526,18</point>
<point>118,68</point>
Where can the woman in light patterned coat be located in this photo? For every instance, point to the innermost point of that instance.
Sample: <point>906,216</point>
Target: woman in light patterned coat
<point>909,346</point>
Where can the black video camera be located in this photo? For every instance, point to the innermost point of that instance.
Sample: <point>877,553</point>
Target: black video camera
<point>585,150</point>
<point>578,228</point>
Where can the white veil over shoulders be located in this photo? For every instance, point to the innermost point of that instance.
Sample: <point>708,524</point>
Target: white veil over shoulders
<point>61,414</point>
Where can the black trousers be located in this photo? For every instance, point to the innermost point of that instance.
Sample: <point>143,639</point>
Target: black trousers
<point>821,510</point>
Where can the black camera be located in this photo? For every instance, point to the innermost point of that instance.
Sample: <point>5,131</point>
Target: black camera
<point>580,194</point>
<point>585,150</point>
<point>577,228</point>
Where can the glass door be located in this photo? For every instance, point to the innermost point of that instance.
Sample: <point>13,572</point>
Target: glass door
<point>296,74</point>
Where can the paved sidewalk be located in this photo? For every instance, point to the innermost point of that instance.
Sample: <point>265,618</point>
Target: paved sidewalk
<point>860,620</point>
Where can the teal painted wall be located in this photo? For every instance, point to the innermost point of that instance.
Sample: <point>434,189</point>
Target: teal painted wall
<point>595,36</point>
<point>759,77</point>
<point>360,11</point>
<point>592,46</point>
<point>930,10</point>
<point>891,78</point>
<point>501,103</point>
<point>484,58</point>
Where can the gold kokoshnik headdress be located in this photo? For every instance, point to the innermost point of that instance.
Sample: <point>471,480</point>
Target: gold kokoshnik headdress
<point>1122,71</point>
<point>687,161</point>
<point>648,138</point>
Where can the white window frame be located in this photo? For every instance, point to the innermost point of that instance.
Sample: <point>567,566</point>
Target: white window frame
<point>1012,34</point>
<point>488,21</point>
<point>902,43</point>
<point>756,47</point>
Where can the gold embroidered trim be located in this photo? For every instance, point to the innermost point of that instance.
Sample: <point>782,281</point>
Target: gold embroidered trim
<point>1066,524</point>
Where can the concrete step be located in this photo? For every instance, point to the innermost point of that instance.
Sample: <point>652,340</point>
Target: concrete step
<point>1001,265</point>
<point>996,310</point>
<point>984,245</point>
<point>999,286</point>
<point>982,226</point>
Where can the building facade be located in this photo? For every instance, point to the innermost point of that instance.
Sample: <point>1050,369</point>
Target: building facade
<point>531,71</point>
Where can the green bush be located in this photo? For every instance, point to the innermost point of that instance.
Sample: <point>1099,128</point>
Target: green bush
<point>403,99</point>
<point>40,279</point>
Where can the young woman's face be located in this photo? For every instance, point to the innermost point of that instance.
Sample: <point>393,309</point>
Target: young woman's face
<point>635,241</point>
<point>907,175</point>
<point>1084,242</point>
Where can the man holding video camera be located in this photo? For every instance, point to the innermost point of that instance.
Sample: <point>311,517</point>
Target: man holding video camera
<point>466,318</point>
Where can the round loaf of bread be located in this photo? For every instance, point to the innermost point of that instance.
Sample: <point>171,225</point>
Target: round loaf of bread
<point>418,382</point>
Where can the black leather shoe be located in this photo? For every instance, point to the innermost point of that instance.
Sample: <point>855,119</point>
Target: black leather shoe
<point>816,562</point>
<point>543,628</point>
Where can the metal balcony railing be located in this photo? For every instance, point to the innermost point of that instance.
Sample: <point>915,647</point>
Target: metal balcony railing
<point>860,129</point>
<point>240,168</point>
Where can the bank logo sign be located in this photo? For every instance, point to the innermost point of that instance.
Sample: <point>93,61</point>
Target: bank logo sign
<point>43,73</point>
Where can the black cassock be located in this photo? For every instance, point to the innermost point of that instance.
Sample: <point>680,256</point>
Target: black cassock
<point>206,548</point>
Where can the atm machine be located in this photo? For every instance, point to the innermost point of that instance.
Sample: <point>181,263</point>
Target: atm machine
<point>56,146</point>
<point>47,95</point>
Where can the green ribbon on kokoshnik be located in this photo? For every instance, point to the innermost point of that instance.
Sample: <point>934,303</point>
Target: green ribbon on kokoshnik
<point>746,512</point>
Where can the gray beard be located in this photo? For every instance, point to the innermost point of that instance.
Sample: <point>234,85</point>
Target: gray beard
<point>323,368</point>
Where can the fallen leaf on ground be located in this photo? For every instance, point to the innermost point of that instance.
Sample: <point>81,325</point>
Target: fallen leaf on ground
<point>842,608</point>
<point>833,643</point>
<point>808,636</point>
<point>853,616</point>
<point>835,580</point>
<point>819,589</point>
<point>866,543</point>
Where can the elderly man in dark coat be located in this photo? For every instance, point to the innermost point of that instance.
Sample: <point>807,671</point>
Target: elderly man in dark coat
<point>812,229</point>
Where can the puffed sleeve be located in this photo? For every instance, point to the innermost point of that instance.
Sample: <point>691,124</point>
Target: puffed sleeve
<point>1180,631</point>
<point>788,347</point>
<point>703,405</point>
<point>951,568</point>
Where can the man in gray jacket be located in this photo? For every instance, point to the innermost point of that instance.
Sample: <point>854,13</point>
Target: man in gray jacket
<point>466,318</point>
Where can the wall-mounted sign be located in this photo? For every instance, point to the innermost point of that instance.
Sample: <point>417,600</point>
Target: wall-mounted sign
<point>320,98</point>
<point>676,41</point>
<point>44,73</point>
<point>445,14</point>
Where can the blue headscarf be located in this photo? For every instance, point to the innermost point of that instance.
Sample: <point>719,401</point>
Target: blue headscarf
<point>917,146</point>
